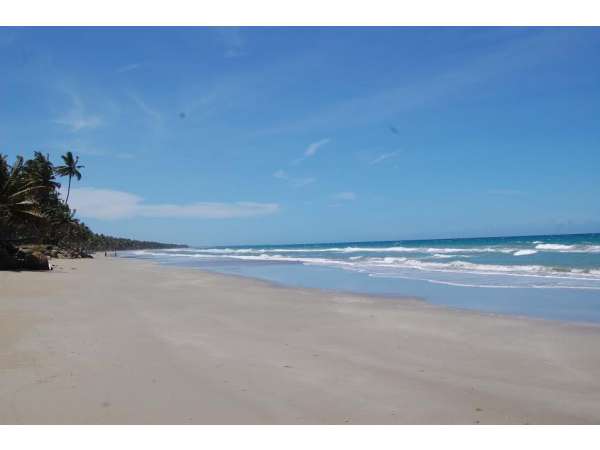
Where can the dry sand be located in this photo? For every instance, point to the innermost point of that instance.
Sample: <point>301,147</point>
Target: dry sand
<point>112,341</point>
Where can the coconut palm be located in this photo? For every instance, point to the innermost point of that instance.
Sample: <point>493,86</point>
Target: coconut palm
<point>34,219</point>
<point>39,171</point>
<point>17,203</point>
<point>69,169</point>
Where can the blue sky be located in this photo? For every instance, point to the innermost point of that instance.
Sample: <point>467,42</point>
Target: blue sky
<point>279,135</point>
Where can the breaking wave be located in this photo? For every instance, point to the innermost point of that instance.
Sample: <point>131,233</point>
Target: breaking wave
<point>561,248</point>
<point>435,251</point>
<point>537,261</point>
<point>524,252</point>
<point>406,267</point>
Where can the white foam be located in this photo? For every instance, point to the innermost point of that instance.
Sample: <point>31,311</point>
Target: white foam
<point>394,249</point>
<point>554,247</point>
<point>418,266</point>
<point>449,255</point>
<point>524,252</point>
<point>561,248</point>
<point>407,263</point>
<point>435,251</point>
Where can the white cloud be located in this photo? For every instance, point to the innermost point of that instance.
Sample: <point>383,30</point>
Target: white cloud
<point>111,204</point>
<point>383,157</point>
<point>76,118</point>
<point>209,210</point>
<point>103,203</point>
<point>296,182</point>
<point>344,196</point>
<point>152,113</point>
<point>312,148</point>
<point>76,121</point>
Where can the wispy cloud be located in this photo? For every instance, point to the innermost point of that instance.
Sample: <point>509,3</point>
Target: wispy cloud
<point>296,182</point>
<point>233,40</point>
<point>383,157</point>
<point>243,89</point>
<point>312,149</point>
<point>84,147</point>
<point>281,174</point>
<point>149,111</point>
<point>446,85</point>
<point>79,122</point>
<point>110,205</point>
<point>76,118</point>
<point>347,196</point>
<point>309,152</point>
<point>128,68</point>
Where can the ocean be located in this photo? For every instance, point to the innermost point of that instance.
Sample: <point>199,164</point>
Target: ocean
<point>550,276</point>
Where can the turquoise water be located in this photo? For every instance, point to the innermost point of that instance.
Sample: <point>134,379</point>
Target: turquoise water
<point>556,277</point>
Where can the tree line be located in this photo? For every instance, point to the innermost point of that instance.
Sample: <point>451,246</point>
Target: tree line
<point>33,212</point>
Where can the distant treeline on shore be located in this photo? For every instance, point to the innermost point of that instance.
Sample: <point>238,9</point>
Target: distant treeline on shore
<point>102,242</point>
<point>36,222</point>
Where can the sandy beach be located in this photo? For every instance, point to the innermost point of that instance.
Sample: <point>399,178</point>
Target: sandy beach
<point>115,341</point>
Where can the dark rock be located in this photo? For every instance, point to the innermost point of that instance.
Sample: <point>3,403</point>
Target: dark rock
<point>36,261</point>
<point>13,258</point>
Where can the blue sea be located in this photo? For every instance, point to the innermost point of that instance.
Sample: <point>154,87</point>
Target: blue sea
<point>550,277</point>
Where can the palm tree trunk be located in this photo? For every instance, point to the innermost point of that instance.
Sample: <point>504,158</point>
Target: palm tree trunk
<point>68,191</point>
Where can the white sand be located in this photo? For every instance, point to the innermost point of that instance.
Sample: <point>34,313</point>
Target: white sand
<point>122,341</point>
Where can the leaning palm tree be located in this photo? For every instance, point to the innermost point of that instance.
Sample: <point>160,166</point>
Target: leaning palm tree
<point>69,169</point>
<point>17,203</point>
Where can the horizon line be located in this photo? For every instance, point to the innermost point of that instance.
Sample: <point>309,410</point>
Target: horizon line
<point>393,240</point>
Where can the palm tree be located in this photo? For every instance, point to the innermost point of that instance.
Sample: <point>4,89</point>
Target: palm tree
<point>39,171</point>
<point>69,169</point>
<point>17,203</point>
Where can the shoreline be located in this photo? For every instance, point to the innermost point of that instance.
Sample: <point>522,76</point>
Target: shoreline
<point>120,340</point>
<point>383,297</point>
<point>379,296</point>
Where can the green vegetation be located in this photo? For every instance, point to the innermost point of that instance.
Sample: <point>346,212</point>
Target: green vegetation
<point>34,217</point>
<point>69,169</point>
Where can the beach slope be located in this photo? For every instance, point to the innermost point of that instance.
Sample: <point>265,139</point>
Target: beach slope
<point>114,341</point>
